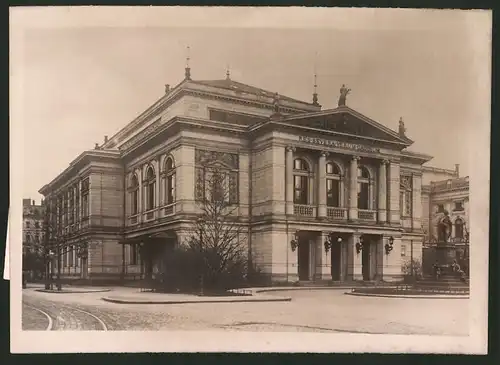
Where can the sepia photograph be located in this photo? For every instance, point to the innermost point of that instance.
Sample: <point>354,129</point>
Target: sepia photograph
<point>249,179</point>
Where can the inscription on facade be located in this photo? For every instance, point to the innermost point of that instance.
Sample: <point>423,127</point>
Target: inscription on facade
<point>339,144</point>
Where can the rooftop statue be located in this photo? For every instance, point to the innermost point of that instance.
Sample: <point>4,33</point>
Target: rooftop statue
<point>343,95</point>
<point>402,128</point>
<point>276,103</point>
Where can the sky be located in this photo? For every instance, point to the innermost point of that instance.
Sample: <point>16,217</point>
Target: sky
<point>87,74</point>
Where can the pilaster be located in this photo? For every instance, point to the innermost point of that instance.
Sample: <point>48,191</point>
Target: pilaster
<point>416,201</point>
<point>322,185</point>
<point>393,214</point>
<point>323,259</point>
<point>353,188</point>
<point>382,192</point>
<point>289,179</point>
<point>357,259</point>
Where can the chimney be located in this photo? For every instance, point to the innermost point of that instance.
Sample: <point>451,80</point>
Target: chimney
<point>457,169</point>
<point>167,88</point>
<point>96,147</point>
<point>105,139</point>
<point>33,202</point>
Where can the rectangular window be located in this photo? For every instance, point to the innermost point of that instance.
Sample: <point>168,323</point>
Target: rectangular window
<point>85,205</point>
<point>440,208</point>
<point>363,196</point>
<point>459,206</point>
<point>403,250</point>
<point>170,189</point>
<point>301,190</point>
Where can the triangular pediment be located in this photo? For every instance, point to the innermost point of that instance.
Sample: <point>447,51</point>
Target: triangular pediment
<point>347,121</point>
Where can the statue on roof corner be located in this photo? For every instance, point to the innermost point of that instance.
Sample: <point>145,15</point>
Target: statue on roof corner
<point>402,128</point>
<point>343,95</point>
<point>276,103</point>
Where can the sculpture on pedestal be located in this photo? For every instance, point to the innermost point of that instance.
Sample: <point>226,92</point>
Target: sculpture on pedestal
<point>343,95</point>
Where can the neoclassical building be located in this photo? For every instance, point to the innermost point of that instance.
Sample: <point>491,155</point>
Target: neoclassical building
<point>322,194</point>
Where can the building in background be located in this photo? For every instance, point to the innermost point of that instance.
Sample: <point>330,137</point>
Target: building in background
<point>33,234</point>
<point>323,194</point>
<point>447,198</point>
<point>33,216</point>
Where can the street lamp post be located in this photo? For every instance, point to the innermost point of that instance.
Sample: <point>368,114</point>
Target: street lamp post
<point>51,256</point>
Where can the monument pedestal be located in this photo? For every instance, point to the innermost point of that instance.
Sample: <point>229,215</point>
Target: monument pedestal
<point>446,254</point>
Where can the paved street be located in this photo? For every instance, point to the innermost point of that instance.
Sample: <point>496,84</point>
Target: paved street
<point>309,310</point>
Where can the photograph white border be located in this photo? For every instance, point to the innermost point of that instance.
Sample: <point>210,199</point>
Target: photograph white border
<point>217,341</point>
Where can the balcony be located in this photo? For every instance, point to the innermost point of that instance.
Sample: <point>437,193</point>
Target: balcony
<point>149,215</point>
<point>169,210</point>
<point>133,219</point>
<point>367,215</point>
<point>304,210</point>
<point>336,213</point>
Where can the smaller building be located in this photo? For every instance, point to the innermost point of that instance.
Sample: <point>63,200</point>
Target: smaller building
<point>446,200</point>
<point>33,216</point>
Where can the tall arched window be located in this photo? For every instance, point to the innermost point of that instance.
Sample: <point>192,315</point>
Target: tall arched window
<point>333,188</point>
<point>459,228</point>
<point>134,194</point>
<point>300,181</point>
<point>150,188</point>
<point>363,188</point>
<point>170,181</point>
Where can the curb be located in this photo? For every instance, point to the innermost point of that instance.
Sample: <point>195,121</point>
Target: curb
<point>72,291</point>
<point>409,296</point>
<point>132,301</point>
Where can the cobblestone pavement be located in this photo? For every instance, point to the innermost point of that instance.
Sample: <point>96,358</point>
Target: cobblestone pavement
<point>310,311</point>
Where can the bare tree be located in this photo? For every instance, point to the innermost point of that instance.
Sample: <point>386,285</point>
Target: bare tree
<point>218,239</point>
<point>55,243</point>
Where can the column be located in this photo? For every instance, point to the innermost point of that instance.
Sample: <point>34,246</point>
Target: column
<point>350,251</point>
<point>322,185</point>
<point>357,266</point>
<point>392,268</point>
<point>393,214</point>
<point>289,179</point>
<point>140,194</point>
<point>353,189</point>
<point>382,192</point>
<point>323,259</point>
<point>417,202</point>
<point>158,186</point>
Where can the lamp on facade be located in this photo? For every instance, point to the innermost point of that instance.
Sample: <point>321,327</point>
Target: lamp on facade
<point>329,242</point>
<point>294,243</point>
<point>389,246</point>
<point>359,245</point>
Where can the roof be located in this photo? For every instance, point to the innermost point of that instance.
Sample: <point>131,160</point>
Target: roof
<point>229,84</point>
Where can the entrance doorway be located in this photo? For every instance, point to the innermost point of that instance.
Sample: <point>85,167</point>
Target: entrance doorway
<point>336,259</point>
<point>303,258</point>
<point>365,259</point>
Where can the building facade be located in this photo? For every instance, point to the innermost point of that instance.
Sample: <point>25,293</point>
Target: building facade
<point>33,215</point>
<point>299,176</point>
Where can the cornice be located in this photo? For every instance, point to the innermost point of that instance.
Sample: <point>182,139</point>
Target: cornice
<point>273,125</point>
<point>78,165</point>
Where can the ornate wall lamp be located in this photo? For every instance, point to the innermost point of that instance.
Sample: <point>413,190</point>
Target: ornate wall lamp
<point>329,242</point>
<point>359,245</point>
<point>294,243</point>
<point>389,246</point>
